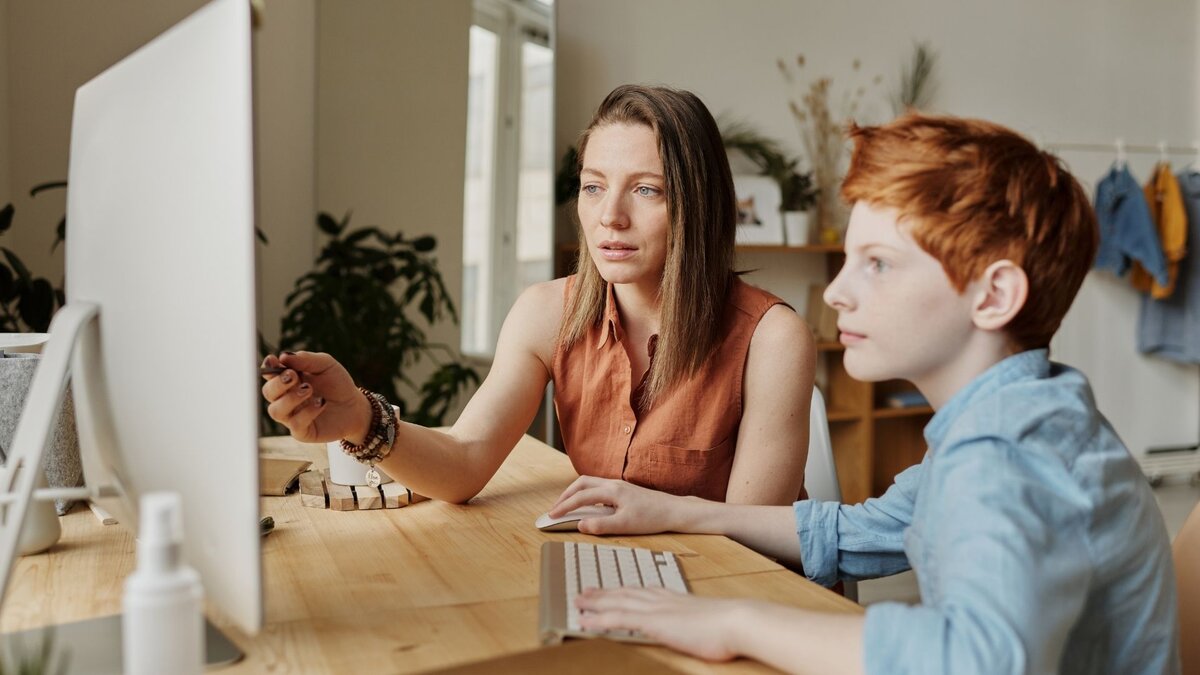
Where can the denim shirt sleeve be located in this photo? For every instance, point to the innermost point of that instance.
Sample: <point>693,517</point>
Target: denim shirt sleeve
<point>1013,567</point>
<point>861,541</point>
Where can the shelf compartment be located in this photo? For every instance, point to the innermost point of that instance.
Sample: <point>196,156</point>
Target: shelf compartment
<point>913,411</point>
<point>836,415</point>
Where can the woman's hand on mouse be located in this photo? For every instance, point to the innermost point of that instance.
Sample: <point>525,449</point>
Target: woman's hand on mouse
<point>639,510</point>
<point>315,398</point>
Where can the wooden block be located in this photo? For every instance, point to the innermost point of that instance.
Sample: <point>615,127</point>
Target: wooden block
<point>312,490</point>
<point>368,497</point>
<point>341,497</point>
<point>103,516</point>
<point>394,495</point>
<point>414,498</point>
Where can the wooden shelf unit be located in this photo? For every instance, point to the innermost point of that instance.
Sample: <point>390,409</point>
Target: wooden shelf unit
<point>871,441</point>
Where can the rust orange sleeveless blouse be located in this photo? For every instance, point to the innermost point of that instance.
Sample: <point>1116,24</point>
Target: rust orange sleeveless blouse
<point>685,443</point>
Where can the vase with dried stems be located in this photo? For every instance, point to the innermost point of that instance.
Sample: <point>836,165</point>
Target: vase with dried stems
<point>821,122</point>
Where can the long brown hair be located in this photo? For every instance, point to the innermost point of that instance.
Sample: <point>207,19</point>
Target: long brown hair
<point>703,215</point>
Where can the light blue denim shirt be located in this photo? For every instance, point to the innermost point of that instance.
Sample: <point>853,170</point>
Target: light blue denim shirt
<point>1035,539</point>
<point>1127,230</point>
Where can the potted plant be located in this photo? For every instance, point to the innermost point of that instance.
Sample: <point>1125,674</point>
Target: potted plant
<point>368,302</point>
<point>799,195</point>
<point>796,189</point>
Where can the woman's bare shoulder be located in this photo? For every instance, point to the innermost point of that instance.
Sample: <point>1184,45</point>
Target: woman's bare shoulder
<point>535,317</point>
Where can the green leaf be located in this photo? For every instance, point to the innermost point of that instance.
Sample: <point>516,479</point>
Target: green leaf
<point>327,224</point>
<point>33,192</point>
<point>37,305</point>
<point>6,216</point>
<point>17,266</point>
<point>60,233</point>
<point>8,285</point>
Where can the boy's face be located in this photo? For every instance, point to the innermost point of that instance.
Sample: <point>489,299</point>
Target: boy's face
<point>898,314</point>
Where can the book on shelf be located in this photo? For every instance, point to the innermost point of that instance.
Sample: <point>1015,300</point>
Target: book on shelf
<point>905,399</point>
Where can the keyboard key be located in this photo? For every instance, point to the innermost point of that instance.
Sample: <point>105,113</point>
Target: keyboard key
<point>647,568</point>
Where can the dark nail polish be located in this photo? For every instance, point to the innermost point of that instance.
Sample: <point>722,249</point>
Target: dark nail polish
<point>286,377</point>
<point>305,387</point>
<point>290,353</point>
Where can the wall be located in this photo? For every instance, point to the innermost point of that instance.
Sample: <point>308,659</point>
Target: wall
<point>5,189</point>
<point>392,119</point>
<point>1077,70</point>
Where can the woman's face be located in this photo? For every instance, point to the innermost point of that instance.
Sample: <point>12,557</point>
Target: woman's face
<point>623,204</point>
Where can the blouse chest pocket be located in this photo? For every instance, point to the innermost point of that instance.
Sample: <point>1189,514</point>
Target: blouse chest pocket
<point>702,472</point>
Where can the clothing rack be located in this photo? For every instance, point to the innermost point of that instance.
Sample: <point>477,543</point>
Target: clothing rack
<point>1120,148</point>
<point>1163,149</point>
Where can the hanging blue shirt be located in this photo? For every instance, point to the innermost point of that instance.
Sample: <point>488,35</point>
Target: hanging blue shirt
<point>1170,327</point>
<point>1034,536</point>
<point>1127,231</point>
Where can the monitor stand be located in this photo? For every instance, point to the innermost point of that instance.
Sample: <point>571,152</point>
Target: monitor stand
<point>93,646</point>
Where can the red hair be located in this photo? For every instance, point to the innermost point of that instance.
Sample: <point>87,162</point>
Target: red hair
<point>975,193</point>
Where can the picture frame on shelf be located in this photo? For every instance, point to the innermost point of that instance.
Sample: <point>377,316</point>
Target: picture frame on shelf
<point>758,201</point>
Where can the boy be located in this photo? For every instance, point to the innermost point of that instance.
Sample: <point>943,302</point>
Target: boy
<point>1034,537</point>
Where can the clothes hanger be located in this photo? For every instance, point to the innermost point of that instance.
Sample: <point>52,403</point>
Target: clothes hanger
<point>1121,161</point>
<point>1163,157</point>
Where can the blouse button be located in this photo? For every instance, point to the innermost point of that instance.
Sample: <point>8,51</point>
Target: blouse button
<point>626,429</point>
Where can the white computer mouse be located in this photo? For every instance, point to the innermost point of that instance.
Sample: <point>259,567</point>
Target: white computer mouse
<point>569,521</point>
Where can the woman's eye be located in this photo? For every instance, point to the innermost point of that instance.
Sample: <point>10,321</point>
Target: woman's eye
<point>647,191</point>
<point>590,189</point>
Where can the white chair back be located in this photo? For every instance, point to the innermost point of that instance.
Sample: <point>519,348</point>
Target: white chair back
<point>820,472</point>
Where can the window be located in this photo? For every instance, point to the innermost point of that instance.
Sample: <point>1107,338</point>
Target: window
<point>508,193</point>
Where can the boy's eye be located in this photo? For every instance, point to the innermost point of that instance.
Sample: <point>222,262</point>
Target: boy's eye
<point>876,265</point>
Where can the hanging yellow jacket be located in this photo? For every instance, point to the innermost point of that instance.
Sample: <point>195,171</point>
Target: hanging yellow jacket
<point>1166,208</point>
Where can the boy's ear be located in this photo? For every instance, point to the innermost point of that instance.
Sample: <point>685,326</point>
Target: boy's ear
<point>1000,294</point>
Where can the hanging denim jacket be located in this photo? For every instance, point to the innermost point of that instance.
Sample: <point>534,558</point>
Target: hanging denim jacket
<point>1127,232</point>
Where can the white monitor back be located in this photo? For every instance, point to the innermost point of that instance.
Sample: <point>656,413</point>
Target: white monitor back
<point>160,214</point>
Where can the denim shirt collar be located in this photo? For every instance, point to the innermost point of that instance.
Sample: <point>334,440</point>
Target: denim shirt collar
<point>1032,364</point>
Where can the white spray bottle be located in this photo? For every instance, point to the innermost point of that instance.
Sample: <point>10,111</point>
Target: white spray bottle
<point>163,620</point>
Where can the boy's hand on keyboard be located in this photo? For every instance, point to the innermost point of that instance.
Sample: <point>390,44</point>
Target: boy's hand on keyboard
<point>702,627</point>
<point>639,510</point>
<point>314,397</point>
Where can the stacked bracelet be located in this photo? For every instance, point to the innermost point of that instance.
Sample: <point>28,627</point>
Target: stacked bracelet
<point>380,436</point>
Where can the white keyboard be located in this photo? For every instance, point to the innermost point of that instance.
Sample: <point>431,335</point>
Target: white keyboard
<point>569,568</point>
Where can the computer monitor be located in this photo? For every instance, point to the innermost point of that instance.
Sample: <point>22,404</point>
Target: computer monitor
<point>158,332</point>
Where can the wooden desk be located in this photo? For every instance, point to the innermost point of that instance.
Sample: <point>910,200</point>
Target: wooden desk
<point>424,586</point>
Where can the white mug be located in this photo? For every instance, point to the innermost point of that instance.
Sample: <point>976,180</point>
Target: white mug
<point>345,470</point>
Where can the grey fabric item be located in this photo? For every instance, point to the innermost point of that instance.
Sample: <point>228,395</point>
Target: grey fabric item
<point>61,462</point>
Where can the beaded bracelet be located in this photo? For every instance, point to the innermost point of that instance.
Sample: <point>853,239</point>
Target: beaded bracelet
<point>380,436</point>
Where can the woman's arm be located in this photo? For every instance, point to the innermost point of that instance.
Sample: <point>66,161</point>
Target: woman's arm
<point>772,447</point>
<point>316,399</point>
<point>455,465</point>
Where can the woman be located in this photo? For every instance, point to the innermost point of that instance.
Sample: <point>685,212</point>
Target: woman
<point>669,372</point>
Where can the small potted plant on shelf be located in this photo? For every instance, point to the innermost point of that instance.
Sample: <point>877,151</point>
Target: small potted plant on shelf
<point>799,196</point>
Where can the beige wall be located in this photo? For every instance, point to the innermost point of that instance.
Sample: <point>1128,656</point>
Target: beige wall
<point>1073,70</point>
<point>5,186</point>
<point>391,132</point>
<point>285,62</point>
